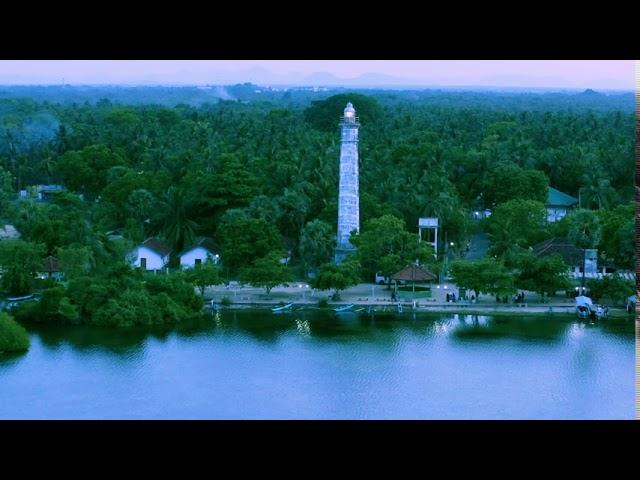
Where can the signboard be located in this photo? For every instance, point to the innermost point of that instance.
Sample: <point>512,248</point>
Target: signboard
<point>428,222</point>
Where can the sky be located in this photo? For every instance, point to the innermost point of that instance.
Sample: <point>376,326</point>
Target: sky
<point>569,74</point>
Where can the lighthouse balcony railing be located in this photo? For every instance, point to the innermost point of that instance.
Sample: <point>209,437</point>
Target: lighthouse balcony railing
<point>349,121</point>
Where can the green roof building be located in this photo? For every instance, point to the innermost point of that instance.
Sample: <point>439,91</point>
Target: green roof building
<point>559,204</point>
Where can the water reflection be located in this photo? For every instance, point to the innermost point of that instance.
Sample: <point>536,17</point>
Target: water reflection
<point>473,327</point>
<point>128,341</point>
<point>11,358</point>
<point>303,327</point>
<point>318,364</point>
<point>268,327</point>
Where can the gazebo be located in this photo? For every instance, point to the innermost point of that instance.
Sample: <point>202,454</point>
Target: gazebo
<point>414,273</point>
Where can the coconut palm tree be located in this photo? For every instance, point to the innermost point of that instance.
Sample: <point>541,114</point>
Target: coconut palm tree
<point>177,228</point>
<point>596,190</point>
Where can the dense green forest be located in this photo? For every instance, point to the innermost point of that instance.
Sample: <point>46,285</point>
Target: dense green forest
<point>256,169</point>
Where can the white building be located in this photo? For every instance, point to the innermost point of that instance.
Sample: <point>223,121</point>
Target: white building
<point>9,232</point>
<point>198,253</point>
<point>152,254</point>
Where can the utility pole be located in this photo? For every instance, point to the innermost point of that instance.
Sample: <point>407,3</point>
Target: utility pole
<point>446,259</point>
<point>584,267</point>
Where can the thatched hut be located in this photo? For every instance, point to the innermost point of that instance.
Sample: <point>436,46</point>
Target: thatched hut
<point>414,273</point>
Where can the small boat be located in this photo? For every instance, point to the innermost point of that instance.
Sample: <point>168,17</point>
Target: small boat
<point>600,312</point>
<point>21,299</point>
<point>12,303</point>
<point>344,309</point>
<point>282,309</point>
<point>583,311</point>
<point>585,308</point>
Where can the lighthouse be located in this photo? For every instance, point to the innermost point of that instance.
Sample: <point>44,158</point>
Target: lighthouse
<point>348,199</point>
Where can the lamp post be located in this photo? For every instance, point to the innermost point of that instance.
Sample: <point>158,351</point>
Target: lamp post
<point>444,263</point>
<point>304,291</point>
<point>446,256</point>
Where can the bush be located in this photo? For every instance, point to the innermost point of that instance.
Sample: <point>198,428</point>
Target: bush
<point>13,336</point>
<point>118,298</point>
<point>614,287</point>
<point>54,307</point>
<point>323,303</point>
<point>226,301</point>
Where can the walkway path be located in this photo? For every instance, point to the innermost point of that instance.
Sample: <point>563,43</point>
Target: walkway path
<point>366,294</point>
<point>479,246</point>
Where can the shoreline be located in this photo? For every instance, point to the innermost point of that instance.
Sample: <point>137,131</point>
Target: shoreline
<point>474,309</point>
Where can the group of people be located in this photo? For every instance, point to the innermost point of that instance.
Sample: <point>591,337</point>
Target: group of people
<point>451,297</point>
<point>578,291</point>
<point>517,298</point>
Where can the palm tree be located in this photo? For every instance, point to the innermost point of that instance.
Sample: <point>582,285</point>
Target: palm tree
<point>177,228</point>
<point>596,189</point>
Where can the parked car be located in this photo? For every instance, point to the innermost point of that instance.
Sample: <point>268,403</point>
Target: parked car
<point>381,279</point>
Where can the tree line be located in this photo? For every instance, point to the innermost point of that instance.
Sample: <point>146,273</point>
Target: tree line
<point>260,176</point>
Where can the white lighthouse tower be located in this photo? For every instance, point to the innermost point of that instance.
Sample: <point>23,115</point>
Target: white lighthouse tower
<point>348,199</point>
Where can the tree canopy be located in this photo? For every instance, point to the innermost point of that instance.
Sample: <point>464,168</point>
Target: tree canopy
<point>385,246</point>
<point>516,223</point>
<point>325,114</point>
<point>337,277</point>
<point>488,276</point>
<point>267,272</point>
<point>256,169</point>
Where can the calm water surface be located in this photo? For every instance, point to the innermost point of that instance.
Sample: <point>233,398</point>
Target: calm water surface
<point>312,365</point>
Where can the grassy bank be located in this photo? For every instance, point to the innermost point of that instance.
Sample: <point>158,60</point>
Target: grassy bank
<point>13,337</point>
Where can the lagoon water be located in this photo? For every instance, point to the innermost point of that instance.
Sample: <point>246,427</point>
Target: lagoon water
<point>314,365</point>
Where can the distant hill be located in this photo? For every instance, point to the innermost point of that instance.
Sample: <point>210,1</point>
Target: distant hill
<point>321,88</point>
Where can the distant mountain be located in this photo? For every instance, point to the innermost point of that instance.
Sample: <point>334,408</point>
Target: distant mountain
<point>261,76</point>
<point>321,79</point>
<point>369,79</point>
<point>373,78</point>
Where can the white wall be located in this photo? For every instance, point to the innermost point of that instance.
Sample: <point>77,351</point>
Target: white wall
<point>154,261</point>
<point>555,214</point>
<point>189,259</point>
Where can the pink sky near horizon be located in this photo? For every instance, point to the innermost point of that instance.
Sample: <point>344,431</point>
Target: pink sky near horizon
<point>603,74</point>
